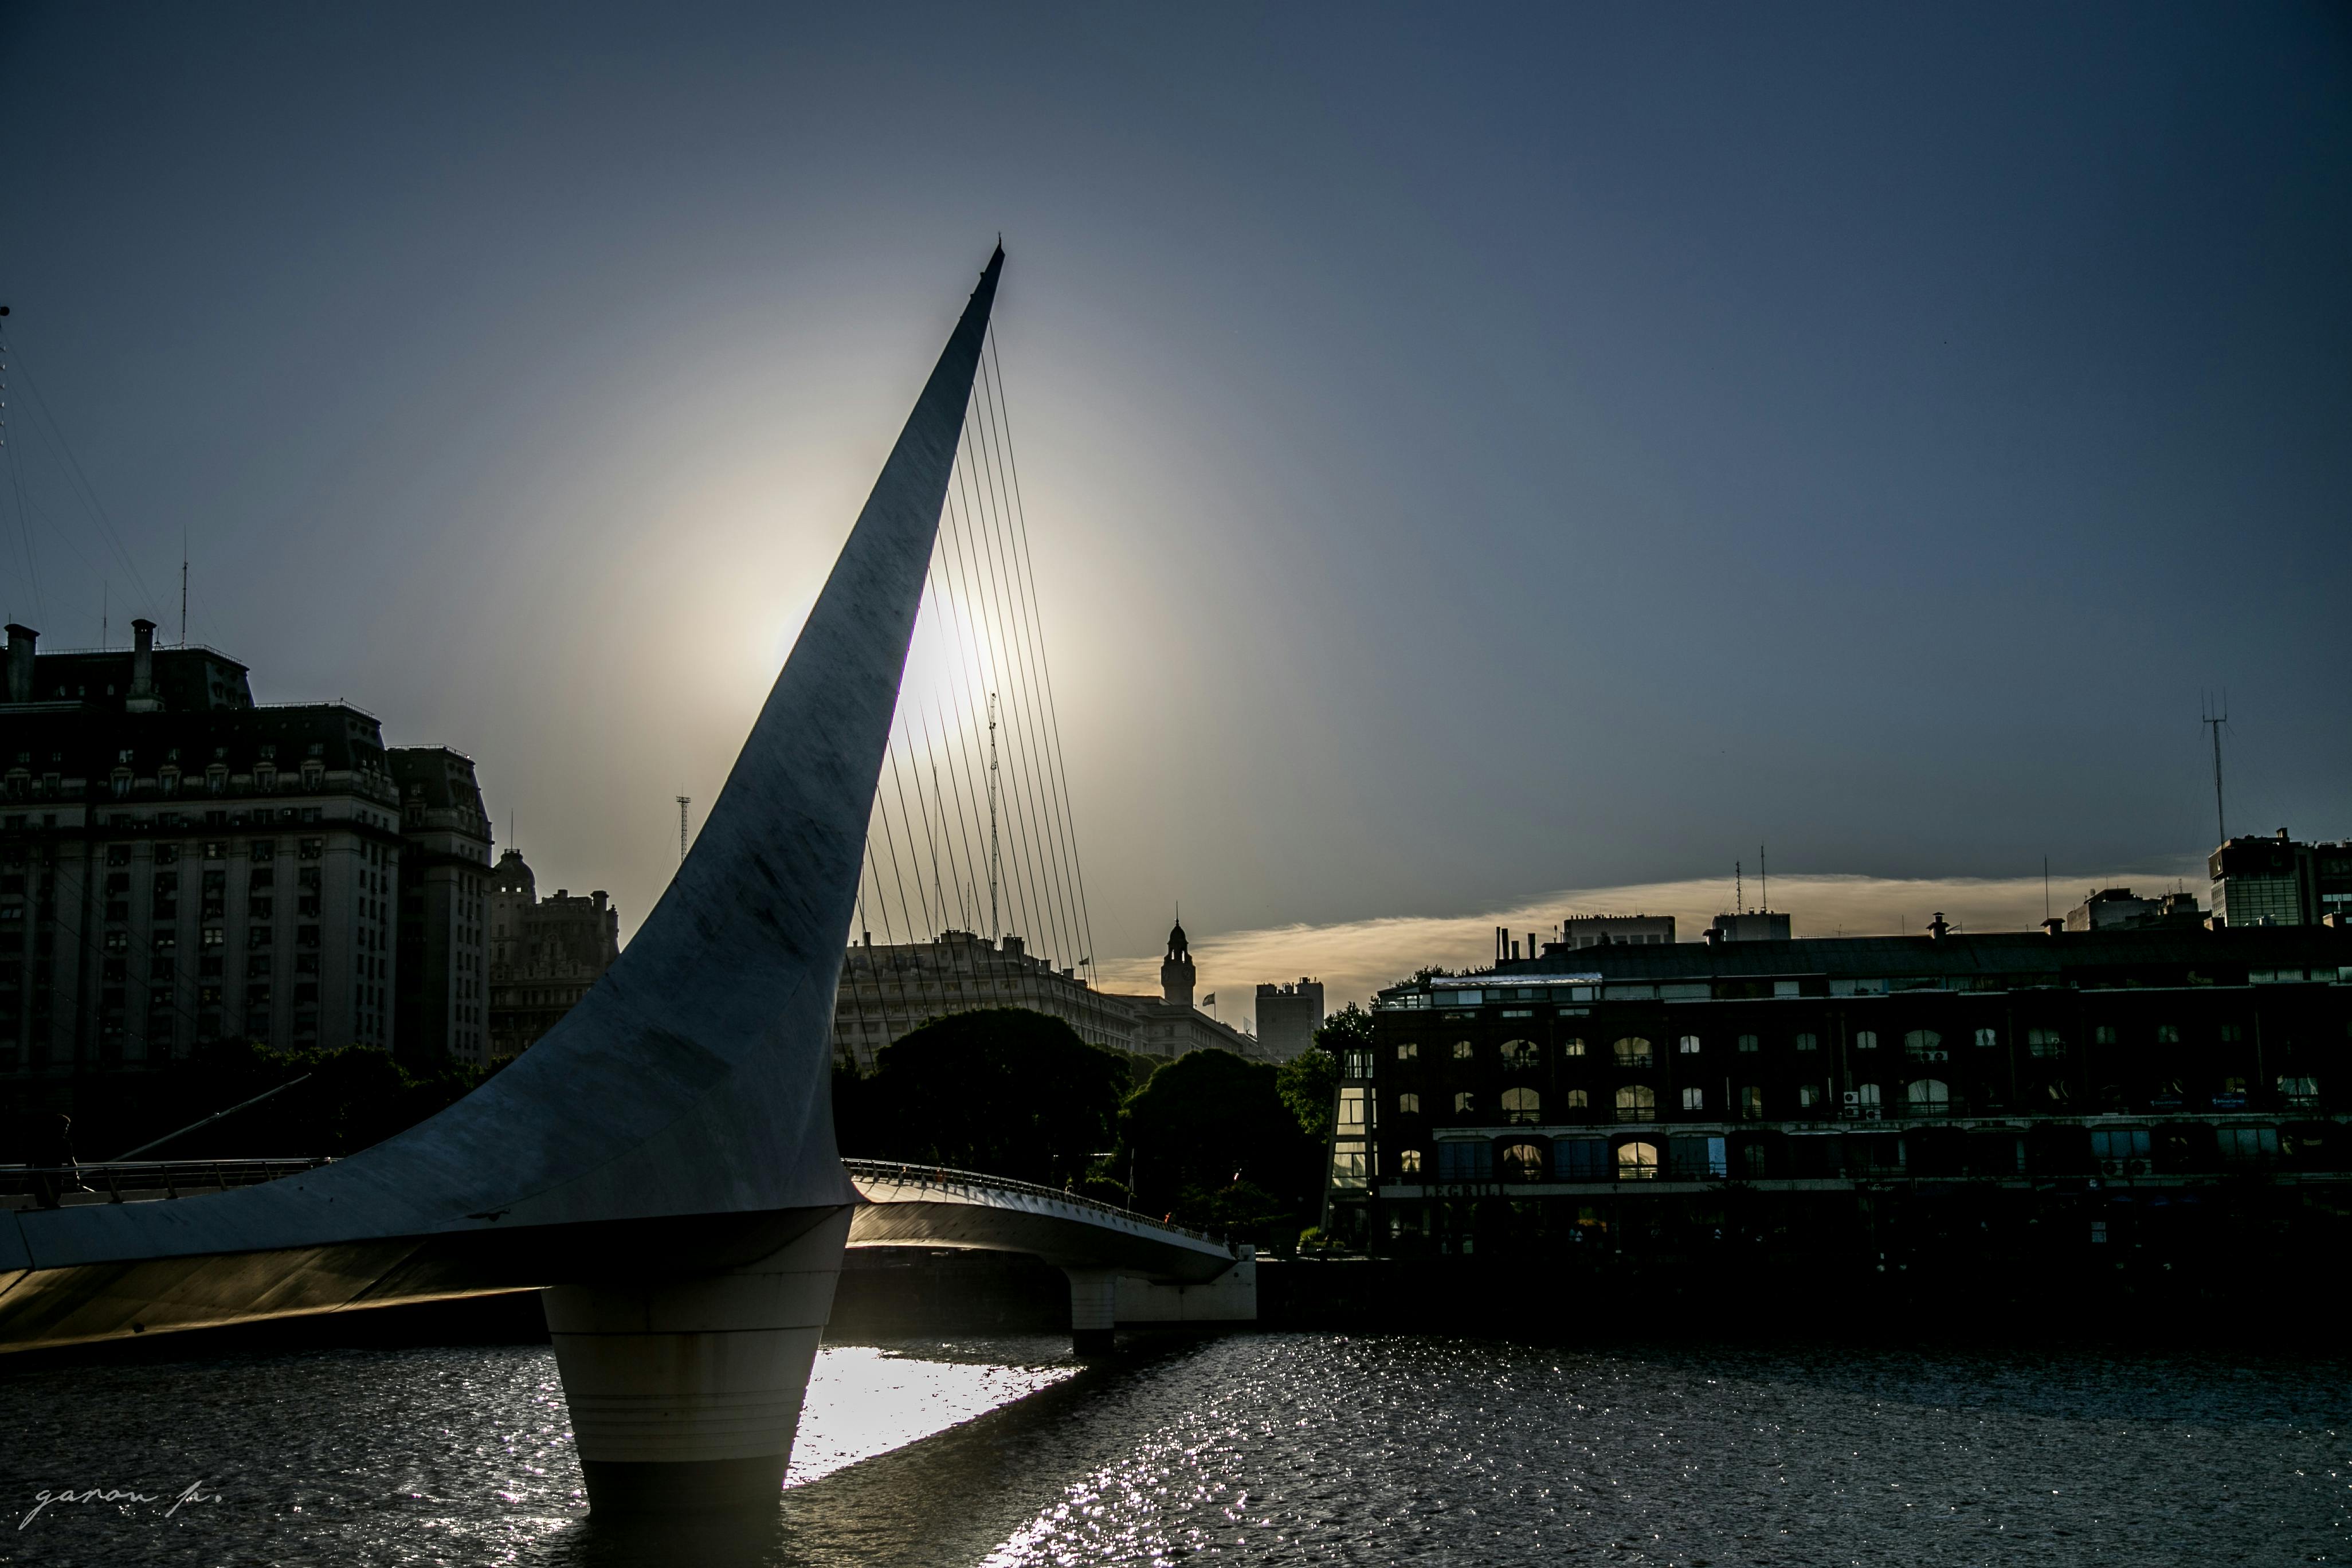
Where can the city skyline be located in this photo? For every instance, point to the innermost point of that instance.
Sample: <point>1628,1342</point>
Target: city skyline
<point>1569,568</point>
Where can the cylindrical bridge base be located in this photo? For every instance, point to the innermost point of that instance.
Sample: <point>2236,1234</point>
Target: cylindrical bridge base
<point>1094,1309</point>
<point>686,1394</point>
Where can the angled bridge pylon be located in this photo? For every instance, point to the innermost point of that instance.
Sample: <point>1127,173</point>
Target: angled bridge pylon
<point>664,1157</point>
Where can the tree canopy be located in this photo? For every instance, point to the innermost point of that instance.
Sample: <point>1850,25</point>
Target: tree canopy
<point>1211,1139</point>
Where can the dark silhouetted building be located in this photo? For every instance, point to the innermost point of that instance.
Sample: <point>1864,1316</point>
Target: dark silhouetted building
<point>1288,1017</point>
<point>544,953</point>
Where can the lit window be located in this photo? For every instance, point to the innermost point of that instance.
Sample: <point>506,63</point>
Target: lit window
<point>1409,1052</point>
<point>1637,1102</point>
<point>2103,1035</point>
<point>1574,1048</point>
<point>1352,1108</point>
<point>1929,1097</point>
<point>2046,1043</point>
<point>1633,1051</point>
<point>1865,1099</point>
<point>1925,1046</point>
<point>1750,1043</point>
<point>1577,1099</point>
<point>1408,1161</point>
<point>1637,1162</point>
<point>1349,1167</point>
<point>1522,1162</point>
<point>1518,1053</point>
<point>1751,1102</point>
<point>2302,1093</point>
<point>1465,1102</point>
<point>1808,1095</point>
<point>1988,1038</point>
<point>1522,1107</point>
<point>1462,1050</point>
<point>1408,1105</point>
<point>1865,1040</point>
<point>1694,1100</point>
<point>1809,1042</point>
<point>1689,1044</point>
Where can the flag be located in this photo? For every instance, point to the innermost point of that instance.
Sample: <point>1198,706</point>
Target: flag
<point>1209,1000</point>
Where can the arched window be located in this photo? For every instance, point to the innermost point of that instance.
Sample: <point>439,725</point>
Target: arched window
<point>1408,1105</point>
<point>1925,1046</point>
<point>1408,1052</point>
<point>1522,1162</point>
<point>1865,1040</point>
<point>1633,1051</point>
<point>1518,1053</point>
<point>1408,1161</point>
<point>1573,1048</point>
<point>1637,1162</point>
<point>1694,1098</point>
<point>1637,1102</point>
<point>1689,1044</point>
<point>1929,1097</point>
<point>1465,1102</point>
<point>1522,1107</point>
<point>1578,1100</point>
<point>1460,1050</point>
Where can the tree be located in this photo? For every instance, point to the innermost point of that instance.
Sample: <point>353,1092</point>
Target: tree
<point>1211,1141</point>
<point>1310,1081</point>
<point>1004,1090</point>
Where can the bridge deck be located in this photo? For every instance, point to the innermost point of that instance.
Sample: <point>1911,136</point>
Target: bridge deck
<point>924,1205</point>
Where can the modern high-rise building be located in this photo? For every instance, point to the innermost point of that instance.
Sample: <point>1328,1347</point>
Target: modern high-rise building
<point>2279,882</point>
<point>1288,1017</point>
<point>544,953</point>
<point>179,865</point>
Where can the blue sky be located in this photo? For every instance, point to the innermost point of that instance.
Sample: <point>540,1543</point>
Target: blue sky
<point>1471,453</point>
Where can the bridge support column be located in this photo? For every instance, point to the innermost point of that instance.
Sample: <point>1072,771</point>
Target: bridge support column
<point>1094,1309</point>
<point>686,1394</point>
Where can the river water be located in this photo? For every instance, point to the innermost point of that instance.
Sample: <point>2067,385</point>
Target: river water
<point>1261,1447</point>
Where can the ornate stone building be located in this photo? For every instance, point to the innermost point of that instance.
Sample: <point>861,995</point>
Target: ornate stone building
<point>544,953</point>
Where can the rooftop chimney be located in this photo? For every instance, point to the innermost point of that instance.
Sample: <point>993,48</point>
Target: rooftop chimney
<point>142,668</point>
<point>2053,925</point>
<point>1939,927</point>
<point>20,662</point>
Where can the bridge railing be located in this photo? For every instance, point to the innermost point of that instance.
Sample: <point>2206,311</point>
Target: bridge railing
<point>948,1179</point>
<point>119,1180</point>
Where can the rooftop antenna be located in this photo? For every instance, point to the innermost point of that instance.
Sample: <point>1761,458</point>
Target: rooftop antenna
<point>2213,718</point>
<point>1764,876</point>
<point>2046,887</point>
<point>683,802</point>
<point>1739,890</point>
<point>105,625</point>
<point>184,587</point>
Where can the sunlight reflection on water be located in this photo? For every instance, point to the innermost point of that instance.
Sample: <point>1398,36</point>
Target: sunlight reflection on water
<point>864,1400</point>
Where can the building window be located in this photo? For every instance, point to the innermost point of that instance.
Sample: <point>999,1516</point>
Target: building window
<point>1522,1107</point>
<point>1750,1043</point>
<point>1925,1046</point>
<point>1694,1098</point>
<point>2044,1042</point>
<point>1408,1161</point>
<point>1808,1095</point>
<point>1988,1038</point>
<point>1408,1105</point>
<point>1465,1102</point>
<point>2300,1093</point>
<point>1518,1053</point>
<point>2230,1033</point>
<point>1751,1102</point>
<point>1578,1100</point>
<point>1809,1042</point>
<point>1462,1052</point>
<point>1465,1162</point>
<point>1637,1162</point>
<point>1637,1102</point>
<point>1865,1101</point>
<point>1408,1052</point>
<point>1572,1047</point>
<point>1633,1051</point>
<point>1865,1040</point>
<point>1352,1108</point>
<point>1522,1162</point>
<point>1688,1044</point>
<point>2103,1035</point>
<point>1929,1097</point>
<point>1349,1165</point>
<point>1696,1159</point>
<point>2247,1145</point>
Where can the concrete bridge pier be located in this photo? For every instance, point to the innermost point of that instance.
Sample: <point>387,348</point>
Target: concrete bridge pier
<point>686,1394</point>
<point>1094,1309</point>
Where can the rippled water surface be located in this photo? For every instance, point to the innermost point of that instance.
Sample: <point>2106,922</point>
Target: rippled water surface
<point>1275,1447</point>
